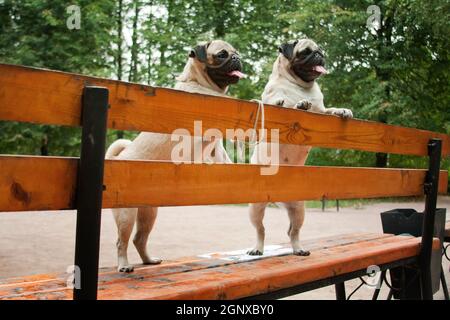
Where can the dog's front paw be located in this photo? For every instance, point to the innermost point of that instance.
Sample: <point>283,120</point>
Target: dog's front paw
<point>255,252</point>
<point>303,105</point>
<point>301,252</point>
<point>126,269</point>
<point>279,102</point>
<point>342,112</point>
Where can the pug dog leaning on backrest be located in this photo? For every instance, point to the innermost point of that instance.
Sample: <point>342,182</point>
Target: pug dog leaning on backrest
<point>210,69</point>
<point>292,85</point>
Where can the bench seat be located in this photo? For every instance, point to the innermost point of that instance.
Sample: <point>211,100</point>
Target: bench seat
<point>225,276</point>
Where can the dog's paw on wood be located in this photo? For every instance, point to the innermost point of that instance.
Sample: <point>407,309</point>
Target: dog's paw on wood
<point>302,253</point>
<point>303,105</point>
<point>279,102</point>
<point>341,112</point>
<point>255,252</point>
<point>125,269</point>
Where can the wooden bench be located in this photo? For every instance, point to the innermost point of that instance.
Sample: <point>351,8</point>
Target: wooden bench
<point>90,183</point>
<point>220,276</point>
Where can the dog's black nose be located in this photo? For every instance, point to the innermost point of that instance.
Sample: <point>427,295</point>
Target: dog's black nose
<point>319,53</point>
<point>234,57</point>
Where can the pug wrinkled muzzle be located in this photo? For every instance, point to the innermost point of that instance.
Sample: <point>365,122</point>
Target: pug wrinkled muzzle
<point>226,70</point>
<point>309,64</point>
<point>223,64</point>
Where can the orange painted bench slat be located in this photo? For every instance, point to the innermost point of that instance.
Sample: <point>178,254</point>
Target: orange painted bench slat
<point>217,278</point>
<point>48,183</point>
<point>53,97</point>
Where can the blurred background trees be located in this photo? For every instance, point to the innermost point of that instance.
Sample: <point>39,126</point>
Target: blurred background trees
<point>398,73</point>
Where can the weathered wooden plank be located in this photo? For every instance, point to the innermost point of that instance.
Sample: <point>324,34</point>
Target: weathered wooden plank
<point>46,183</point>
<point>163,183</point>
<point>37,183</point>
<point>236,280</point>
<point>45,282</point>
<point>49,97</point>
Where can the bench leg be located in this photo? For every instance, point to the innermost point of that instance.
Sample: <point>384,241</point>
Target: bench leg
<point>444,284</point>
<point>378,289</point>
<point>431,191</point>
<point>340,291</point>
<point>89,190</point>
<point>390,294</point>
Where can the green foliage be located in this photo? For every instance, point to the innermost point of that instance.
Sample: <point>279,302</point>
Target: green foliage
<point>25,138</point>
<point>34,33</point>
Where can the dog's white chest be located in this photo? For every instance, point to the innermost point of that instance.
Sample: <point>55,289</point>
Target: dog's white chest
<point>297,94</point>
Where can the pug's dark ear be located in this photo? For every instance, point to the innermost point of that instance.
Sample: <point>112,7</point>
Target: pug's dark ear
<point>287,49</point>
<point>199,52</point>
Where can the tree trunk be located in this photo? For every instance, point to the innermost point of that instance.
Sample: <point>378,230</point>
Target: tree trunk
<point>44,146</point>
<point>149,47</point>
<point>119,39</point>
<point>164,46</point>
<point>381,160</point>
<point>133,76</point>
<point>384,41</point>
<point>220,7</point>
<point>119,53</point>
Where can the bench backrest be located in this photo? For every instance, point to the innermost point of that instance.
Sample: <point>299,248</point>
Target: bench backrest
<point>46,183</point>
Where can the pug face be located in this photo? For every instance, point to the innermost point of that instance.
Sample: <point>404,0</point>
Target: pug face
<point>222,62</point>
<point>306,59</point>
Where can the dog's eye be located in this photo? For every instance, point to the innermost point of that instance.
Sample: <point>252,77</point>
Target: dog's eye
<point>222,54</point>
<point>306,52</point>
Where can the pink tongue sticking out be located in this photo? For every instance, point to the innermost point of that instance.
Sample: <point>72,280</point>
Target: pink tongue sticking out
<point>237,73</point>
<point>320,69</point>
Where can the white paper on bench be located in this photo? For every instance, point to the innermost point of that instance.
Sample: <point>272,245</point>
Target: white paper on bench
<point>242,256</point>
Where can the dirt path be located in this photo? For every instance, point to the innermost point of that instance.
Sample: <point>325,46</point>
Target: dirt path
<point>41,242</point>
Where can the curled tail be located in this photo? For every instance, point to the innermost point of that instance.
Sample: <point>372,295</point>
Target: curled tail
<point>116,148</point>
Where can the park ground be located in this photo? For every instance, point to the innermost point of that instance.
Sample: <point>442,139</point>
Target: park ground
<point>43,242</point>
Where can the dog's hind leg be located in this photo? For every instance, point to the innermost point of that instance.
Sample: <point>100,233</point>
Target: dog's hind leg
<point>256,217</point>
<point>296,213</point>
<point>145,220</point>
<point>125,218</point>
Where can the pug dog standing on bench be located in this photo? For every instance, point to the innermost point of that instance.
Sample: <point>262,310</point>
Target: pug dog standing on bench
<point>292,85</point>
<point>210,69</point>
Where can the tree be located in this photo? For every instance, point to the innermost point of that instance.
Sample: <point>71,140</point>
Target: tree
<point>34,33</point>
<point>134,60</point>
<point>118,38</point>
